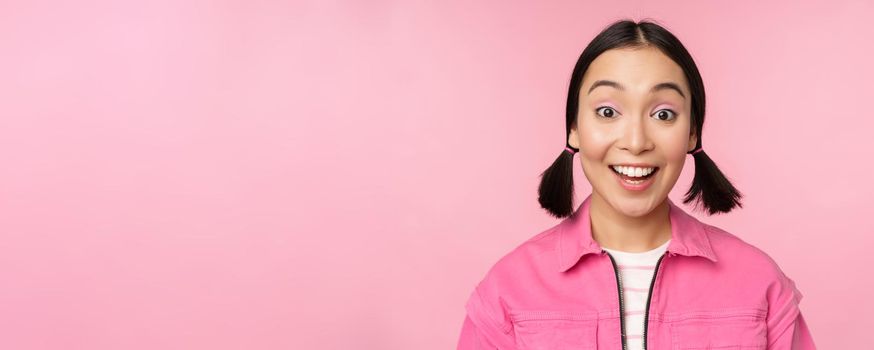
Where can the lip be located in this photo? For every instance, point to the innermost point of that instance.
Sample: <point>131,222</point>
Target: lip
<point>635,187</point>
<point>639,165</point>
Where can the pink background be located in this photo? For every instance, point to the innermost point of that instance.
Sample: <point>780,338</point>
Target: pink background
<point>339,175</point>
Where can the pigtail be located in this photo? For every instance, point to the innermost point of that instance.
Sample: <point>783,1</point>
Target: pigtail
<point>711,188</point>
<point>556,190</point>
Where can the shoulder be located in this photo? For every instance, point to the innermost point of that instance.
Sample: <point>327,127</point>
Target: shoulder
<point>487,304</point>
<point>749,263</point>
<point>536,253</point>
<point>528,260</point>
<point>754,267</point>
<point>734,251</point>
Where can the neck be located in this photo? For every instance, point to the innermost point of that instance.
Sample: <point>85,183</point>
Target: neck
<point>615,230</point>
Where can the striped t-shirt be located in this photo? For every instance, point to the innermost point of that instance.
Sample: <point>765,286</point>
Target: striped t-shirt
<point>636,271</point>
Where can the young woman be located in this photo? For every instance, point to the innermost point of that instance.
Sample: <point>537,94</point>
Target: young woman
<point>629,269</point>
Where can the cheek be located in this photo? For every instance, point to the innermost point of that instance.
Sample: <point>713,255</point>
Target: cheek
<point>593,151</point>
<point>674,155</point>
<point>675,144</point>
<point>595,141</point>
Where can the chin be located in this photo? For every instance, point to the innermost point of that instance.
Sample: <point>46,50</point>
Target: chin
<point>634,207</point>
<point>636,211</point>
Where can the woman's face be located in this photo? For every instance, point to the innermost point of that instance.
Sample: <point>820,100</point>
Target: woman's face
<point>628,116</point>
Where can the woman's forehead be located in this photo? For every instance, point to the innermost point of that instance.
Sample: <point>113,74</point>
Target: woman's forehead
<point>636,69</point>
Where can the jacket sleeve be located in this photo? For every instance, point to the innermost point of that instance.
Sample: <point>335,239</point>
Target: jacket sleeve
<point>787,329</point>
<point>797,337</point>
<point>472,339</point>
<point>486,325</point>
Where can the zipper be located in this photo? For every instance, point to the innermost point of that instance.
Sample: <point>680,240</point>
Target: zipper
<point>648,297</point>
<point>621,307</point>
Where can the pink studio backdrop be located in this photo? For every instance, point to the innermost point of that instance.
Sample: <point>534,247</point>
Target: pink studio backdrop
<point>339,175</point>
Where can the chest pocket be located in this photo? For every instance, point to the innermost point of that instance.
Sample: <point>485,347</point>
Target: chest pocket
<point>735,329</point>
<point>555,330</point>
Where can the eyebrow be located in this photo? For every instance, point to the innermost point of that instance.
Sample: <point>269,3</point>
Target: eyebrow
<point>657,87</point>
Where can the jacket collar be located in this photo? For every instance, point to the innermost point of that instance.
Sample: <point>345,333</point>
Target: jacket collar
<point>688,236</point>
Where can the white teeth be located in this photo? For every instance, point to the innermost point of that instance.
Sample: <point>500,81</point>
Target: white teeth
<point>633,171</point>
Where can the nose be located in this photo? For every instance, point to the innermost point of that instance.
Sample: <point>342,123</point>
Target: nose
<point>634,136</point>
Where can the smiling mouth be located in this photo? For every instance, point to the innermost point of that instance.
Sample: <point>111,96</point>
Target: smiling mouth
<point>632,178</point>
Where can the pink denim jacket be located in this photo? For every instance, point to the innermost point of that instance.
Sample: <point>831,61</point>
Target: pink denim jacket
<point>710,290</point>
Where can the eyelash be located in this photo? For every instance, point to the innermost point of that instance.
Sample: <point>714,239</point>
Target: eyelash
<point>663,109</point>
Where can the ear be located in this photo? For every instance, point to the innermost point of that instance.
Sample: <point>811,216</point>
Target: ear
<point>693,140</point>
<point>572,138</point>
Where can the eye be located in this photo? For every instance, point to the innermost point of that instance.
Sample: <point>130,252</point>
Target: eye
<point>667,113</point>
<point>608,112</point>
